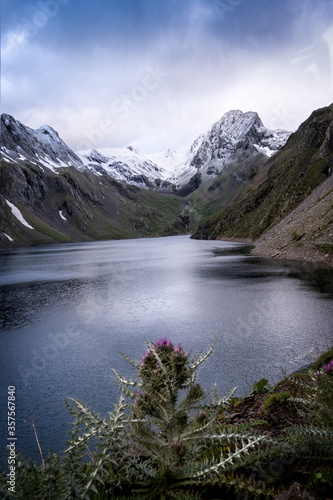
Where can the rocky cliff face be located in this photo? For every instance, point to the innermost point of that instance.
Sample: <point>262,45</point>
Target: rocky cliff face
<point>306,234</point>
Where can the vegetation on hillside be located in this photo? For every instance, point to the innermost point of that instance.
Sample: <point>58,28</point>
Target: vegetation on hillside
<point>92,207</point>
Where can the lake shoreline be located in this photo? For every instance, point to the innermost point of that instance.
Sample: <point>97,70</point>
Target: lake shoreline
<point>294,251</point>
<point>266,246</point>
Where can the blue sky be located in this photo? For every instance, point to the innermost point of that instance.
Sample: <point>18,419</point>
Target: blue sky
<point>157,73</point>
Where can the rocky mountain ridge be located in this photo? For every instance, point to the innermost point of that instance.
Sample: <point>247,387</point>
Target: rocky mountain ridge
<point>234,136</point>
<point>48,195</point>
<point>41,147</point>
<point>168,171</point>
<point>236,131</point>
<point>279,210</point>
<point>127,165</point>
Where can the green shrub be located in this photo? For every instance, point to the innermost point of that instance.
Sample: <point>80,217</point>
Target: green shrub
<point>260,387</point>
<point>295,236</point>
<point>274,399</point>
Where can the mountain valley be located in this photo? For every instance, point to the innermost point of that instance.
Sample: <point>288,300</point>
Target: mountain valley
<point>119,192</point>
<point>237,181</point>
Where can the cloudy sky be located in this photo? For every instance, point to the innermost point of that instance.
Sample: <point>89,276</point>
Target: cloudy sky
<point>157,73</point>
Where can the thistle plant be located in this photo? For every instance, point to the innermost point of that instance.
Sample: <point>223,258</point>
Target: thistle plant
<point>165,437</point>
<point>175,431</point>
<point>315,440</point>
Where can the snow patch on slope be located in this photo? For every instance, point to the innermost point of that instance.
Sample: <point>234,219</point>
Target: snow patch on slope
<point>62,216</point>
<point>16,212</point>
<point>7,236</point>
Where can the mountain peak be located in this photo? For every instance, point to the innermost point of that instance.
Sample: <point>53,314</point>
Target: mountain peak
<point>7,119</point>
<point>47,130</point>
<point>235,124</point>
<point>44,146</point>
<point>236,134</point>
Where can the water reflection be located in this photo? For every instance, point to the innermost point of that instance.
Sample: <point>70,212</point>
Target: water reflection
<point>314,275</point>
<point>232,249</point>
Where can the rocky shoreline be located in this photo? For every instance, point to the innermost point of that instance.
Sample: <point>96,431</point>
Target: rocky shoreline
<point>304,253</point>
<point>306,234</point>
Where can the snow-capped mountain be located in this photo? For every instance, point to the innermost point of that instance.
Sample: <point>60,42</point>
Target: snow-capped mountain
<point>235,133</point>
<point>162,170</point>
<point>177,163</point>
<point>41,147</point>
<point>235,136</point>
<point>125,165</point>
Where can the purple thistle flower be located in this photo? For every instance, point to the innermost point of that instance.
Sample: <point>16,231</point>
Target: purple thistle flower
<point>145,356</point>
<point>137,396</point>
<point>179,350</point>
<point>329,367</point>
<point>163,343</point>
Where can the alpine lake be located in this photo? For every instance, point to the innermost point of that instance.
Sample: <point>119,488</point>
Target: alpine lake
<point>67,311</point>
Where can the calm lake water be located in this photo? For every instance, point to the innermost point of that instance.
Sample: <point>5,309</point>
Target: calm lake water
<point>67,311</point>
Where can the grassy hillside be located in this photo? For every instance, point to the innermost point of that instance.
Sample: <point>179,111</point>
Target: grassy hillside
<point>95,207</point>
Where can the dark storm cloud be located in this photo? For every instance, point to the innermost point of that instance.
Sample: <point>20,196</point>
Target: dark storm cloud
<point>157,73</point>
